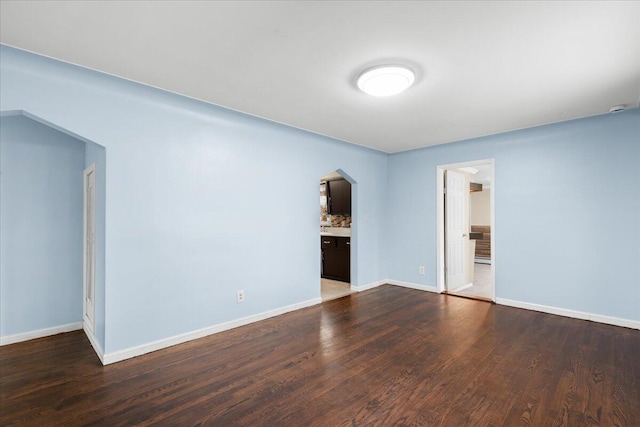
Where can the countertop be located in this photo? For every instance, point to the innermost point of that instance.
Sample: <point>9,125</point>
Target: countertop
<point>336,232</point>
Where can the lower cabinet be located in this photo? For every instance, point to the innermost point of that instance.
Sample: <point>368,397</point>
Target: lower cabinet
<point>336,258</point>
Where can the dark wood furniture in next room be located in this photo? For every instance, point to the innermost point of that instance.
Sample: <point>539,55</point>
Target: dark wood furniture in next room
<point>336,258</point>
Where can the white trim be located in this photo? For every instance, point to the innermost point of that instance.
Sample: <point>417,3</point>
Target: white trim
<point>492,197</point>
<point>440,229</point>
<point>413,285</point>
<point>88,323</point>
<point>94,343</point>
<point>31,335</point>
<point>369,285</point>
<point>617,321</point>
<point>440,279</point>
<point>128,353</point>
<point>394,283</point>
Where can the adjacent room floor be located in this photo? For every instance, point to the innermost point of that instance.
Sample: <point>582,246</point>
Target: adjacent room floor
<point>332,289</point>
<point>481,286</point>
<point>386,356</point>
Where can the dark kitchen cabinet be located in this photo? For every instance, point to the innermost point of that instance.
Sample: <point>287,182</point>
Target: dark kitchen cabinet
<point>336,258</point>
<point>339,202</point>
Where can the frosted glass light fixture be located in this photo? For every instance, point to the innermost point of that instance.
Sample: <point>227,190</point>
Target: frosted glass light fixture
<point>470,170</point>
<point>386,80</point>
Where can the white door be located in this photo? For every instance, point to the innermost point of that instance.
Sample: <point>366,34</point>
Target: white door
<point>89,281</point>
<point>456,228</point>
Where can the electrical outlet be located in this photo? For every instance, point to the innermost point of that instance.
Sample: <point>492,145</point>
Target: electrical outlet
<point>240,296</point>
<point>421,269</point>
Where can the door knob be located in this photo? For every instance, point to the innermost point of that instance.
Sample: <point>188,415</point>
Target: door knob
<point>464,234</point>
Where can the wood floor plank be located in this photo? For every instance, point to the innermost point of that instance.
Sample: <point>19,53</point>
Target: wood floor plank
<point>535,394</point>
<point>387,356</point>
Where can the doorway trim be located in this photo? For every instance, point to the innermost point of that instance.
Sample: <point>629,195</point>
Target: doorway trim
<point>440,235</point>
<point>89,323</point>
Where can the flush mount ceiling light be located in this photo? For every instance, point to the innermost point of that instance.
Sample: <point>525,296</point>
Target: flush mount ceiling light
<point>386,80</point>
<point>470,170</point>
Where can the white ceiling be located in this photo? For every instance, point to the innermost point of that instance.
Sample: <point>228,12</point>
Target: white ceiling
<point>482,67</point>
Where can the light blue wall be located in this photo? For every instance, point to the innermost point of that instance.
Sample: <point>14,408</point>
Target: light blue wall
<point>95,153</point>
<point>41,226</point>
<point>567,203</point>
<point>200,201</point>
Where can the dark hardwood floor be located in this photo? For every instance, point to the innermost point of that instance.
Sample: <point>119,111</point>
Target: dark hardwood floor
<point>388,356</point>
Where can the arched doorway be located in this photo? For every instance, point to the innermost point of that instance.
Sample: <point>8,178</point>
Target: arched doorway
<point>336,237</point>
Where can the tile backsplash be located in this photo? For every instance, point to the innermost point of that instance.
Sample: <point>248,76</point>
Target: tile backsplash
<point>325,217</point>
<point>340,220</point>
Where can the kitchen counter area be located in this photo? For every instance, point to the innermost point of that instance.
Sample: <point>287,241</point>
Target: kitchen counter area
<point>335,231</point>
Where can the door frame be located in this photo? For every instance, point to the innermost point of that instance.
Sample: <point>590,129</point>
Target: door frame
<point>440,233</point>
<point>88,324</point>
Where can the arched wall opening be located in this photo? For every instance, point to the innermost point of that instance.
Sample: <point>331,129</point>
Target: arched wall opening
<point>42,222</point>
<point>338,235</point>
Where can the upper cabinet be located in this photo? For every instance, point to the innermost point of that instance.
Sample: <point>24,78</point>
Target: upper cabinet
<point>339,197</point>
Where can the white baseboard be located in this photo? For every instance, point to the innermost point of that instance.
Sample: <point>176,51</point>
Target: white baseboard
<point>128,353</point>
<point>627,323</point>
<point>395,283</point>
<point>95,344</point>
<point>412,285</point>
<point>25,336</point>
<point>369,285</point>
